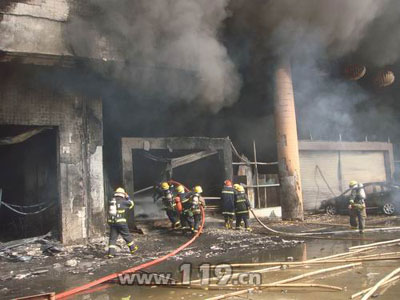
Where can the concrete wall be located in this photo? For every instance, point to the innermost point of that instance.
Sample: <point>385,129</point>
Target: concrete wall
<point>41,27</point>
<point>79,123</point>
<point>35,26</point>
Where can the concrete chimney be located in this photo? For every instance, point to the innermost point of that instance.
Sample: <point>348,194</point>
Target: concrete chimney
<point>287,144</point>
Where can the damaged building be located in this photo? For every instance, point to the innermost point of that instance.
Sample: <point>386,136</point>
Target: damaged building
<point>107,107</point>
<point>51,144</point>
<point>79,118</point>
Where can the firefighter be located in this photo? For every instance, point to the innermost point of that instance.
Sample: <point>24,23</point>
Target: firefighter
<point>186,217</point>
<point>242,206</point>
<point>228,206</point>
<point>117,219</point>
<point>169,205</point>
<point>357,208</point>
<point>197,202</point>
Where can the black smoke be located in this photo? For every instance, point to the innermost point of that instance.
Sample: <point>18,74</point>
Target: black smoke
<point>187,68</point>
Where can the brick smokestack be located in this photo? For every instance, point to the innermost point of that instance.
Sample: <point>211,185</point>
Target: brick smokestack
<point>287,144</point>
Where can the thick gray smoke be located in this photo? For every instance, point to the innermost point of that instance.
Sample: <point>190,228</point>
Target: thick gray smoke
<point>367,28</point>
<point>381,44</point>
<point>177,50</point>
<point>338,26</point>
<point>169,49</point>
<point>318,36</point>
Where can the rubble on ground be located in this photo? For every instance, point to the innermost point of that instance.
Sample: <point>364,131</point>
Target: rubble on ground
<point>45,259</point>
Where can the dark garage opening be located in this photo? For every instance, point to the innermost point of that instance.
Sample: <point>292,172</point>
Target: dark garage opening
<point>28,182</point>
<point>207,172</point>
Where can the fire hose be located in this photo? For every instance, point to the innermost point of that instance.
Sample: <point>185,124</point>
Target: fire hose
<point>307,234</point>
<point>135,268</point>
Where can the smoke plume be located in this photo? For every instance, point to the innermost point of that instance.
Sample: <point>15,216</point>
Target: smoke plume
<point>318,37</point>
<point>382,41</point>
<point>165,48</point>
<point>214,52</point>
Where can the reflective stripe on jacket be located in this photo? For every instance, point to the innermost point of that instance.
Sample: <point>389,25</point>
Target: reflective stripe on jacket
<point>123,205</point>
<point>242,204</point>
<point>185,200</point>
<point>228,199</point>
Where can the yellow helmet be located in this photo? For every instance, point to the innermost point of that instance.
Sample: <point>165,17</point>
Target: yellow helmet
<point>236,186</point>
<point>165,186</point>
<point>120,190</point>
<point>180,189</point>
<point>352,183</point>
<point>198,189</point>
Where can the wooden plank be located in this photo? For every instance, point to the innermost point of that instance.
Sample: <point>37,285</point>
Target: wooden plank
<point>45,296</point>
<point>190,158</point>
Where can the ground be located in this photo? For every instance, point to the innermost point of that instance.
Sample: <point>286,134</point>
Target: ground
<point>31,269</point>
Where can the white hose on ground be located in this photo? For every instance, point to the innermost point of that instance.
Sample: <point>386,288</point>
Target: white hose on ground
<point>318,233</point>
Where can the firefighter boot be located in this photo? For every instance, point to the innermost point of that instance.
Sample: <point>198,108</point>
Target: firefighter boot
<point>227,224</point>
<point>132,248</point>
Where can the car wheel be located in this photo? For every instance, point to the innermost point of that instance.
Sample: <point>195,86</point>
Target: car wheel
<point>389,208</point>
<point>331,210</point>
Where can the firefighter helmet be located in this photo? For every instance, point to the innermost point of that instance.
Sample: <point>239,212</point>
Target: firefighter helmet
<point>180,189</point>
<point>240,188</point>
<point>165,186</point>
<point>228,183</point>
<point>120,190</point>
<point>198,189</point>
<point>352,183</point>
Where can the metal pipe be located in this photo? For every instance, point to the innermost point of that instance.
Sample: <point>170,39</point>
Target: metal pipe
<point>262,185</point>
<point>256,171</point>
<point>255,163</point>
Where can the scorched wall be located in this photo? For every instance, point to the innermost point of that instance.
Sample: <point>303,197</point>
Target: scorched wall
<point>78,120</point>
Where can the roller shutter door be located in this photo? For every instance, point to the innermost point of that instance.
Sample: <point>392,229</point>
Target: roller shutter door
<point>314,187</point>
<point>362,166</point>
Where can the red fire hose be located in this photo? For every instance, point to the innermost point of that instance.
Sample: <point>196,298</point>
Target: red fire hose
<point>135,268</point>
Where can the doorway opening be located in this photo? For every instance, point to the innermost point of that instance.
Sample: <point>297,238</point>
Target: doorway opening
<point>207,172</point>
<point>29,179</point>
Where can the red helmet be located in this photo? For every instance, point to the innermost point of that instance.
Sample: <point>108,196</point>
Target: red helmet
<point>228,182</point>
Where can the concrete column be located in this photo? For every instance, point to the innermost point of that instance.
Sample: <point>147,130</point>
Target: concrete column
<point>287,145</point>
<point>127,166</point>
<point>227,156</point>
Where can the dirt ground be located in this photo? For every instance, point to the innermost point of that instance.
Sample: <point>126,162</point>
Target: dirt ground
<point>47,266</point>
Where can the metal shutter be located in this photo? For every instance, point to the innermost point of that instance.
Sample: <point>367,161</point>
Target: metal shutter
<point>314,187</point>
<point>362,166</point>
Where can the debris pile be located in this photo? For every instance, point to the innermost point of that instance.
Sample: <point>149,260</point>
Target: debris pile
<point>42,255</point>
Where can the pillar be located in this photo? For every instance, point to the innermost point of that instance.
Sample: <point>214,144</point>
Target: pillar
<point>287,145</point>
